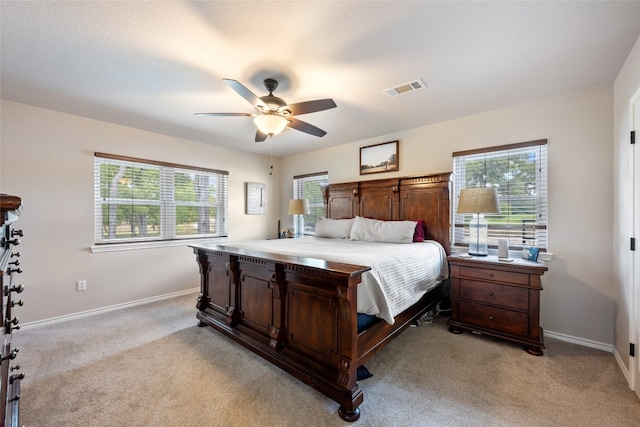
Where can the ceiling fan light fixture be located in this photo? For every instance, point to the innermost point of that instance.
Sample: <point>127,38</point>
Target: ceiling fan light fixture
<point>273,115</point>
<point>271,124</point>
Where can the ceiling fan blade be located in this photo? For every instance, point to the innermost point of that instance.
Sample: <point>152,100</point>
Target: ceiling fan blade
<point>260,136</point>
<point>305,127</point>
<point>244,92</point>
<point>222,114</point>
<point>311,106</point>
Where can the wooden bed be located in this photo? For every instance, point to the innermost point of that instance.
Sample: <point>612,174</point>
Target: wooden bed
<point>301,313</point>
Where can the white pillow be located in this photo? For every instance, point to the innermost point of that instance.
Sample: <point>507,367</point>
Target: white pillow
<point>334,228</point>
<point>374,230</point>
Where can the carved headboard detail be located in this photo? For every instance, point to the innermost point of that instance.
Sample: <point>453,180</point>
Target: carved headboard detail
<point>412,198</point>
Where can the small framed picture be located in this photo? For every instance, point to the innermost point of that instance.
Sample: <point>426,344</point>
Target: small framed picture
<point>530,253</point>
<point>255,199</point>
<point>379,158</point>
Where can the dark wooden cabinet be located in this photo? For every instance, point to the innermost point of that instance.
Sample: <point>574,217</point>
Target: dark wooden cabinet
<point>497,298</point>
<point>10,376</point>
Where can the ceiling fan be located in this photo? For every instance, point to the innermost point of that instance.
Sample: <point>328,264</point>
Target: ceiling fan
<point>273,114</point>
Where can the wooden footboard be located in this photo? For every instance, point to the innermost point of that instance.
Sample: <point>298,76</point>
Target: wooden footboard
<point>298,313</point>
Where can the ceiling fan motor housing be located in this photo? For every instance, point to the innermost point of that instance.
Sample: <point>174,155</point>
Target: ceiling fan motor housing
<point>270,84</point>
<point>273,102</point>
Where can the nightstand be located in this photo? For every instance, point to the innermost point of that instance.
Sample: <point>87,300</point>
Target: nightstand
<point>497,298</point>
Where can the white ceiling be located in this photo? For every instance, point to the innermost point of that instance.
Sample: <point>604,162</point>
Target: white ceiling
<point>151,65</point>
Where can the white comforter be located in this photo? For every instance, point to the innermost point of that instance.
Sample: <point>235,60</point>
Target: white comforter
<point>400,273</point>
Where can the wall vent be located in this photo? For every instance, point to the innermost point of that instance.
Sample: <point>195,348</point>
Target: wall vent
<point>405,88</point>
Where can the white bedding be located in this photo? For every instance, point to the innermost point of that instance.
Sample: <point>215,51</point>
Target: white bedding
<point>400,273</point>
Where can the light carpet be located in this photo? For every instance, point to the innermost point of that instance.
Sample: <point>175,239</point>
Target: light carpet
<point>151,365</point>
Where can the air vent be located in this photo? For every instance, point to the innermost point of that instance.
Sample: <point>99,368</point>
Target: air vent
<point>405,88</point>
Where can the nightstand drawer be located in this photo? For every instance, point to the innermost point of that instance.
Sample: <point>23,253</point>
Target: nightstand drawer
<point>497,319</point>
<point>493,293</point>
<point>495,275</point>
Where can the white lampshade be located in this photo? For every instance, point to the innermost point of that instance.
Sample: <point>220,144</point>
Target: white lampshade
<point>298,207</point>
<point>271,124</point>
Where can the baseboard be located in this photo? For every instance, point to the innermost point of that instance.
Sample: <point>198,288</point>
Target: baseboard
<point>623,368</point>
<point>580,341</point>
<point>106,309</point>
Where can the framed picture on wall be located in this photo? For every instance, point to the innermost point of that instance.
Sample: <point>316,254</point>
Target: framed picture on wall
<point>379,158</point>
<point>530,253</point>
<point>255,198</point>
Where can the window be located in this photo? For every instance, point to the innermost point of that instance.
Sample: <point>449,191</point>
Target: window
<point>519,173</point>
<point>310,187</point>
<point>140,200</point>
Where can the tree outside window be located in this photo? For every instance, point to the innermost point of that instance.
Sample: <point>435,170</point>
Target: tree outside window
<point>310,187</point>
<point>142,200</point>
<point>519,174</point>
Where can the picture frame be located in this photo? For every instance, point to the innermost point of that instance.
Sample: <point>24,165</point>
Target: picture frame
<point>530,253</point>
<point>379,158</point>
<point>255,198</point>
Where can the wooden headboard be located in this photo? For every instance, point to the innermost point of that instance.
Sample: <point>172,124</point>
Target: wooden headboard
<point>411,198</point>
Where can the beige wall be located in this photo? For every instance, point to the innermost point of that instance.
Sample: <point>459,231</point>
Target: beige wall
<point>626,85</point>
<point>46,157</point>
<point>577,300</point>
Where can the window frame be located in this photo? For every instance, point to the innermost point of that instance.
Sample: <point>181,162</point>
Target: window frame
<point>314,203</point>
<point>531,233</point>
<point>166,201</point>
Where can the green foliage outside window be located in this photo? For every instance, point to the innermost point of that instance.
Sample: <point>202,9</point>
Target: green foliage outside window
<point>140,201</point>
<point>519,174</point>
<point>514,177</point>
<point>133,196</point>
<point>309,187</point>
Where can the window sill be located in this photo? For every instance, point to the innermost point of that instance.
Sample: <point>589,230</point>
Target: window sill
<point>149,245</point>
<point>544,256</point>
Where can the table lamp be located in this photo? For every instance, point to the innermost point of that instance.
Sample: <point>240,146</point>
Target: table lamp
<point>478,201</point>
<point>298,207</point>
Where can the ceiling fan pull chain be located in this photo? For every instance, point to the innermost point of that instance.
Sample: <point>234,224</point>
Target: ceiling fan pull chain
<point>271,155</point>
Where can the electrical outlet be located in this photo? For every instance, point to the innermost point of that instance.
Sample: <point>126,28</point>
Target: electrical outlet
<point>81,285</point>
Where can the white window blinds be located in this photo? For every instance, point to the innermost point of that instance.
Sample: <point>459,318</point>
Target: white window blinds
<point>310,187</point>
<point>519,173</point>
<point>141,200</point>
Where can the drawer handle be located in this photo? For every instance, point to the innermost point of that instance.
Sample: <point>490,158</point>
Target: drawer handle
<point>14,270</point>
<point>490,274</point>
<point>490,317</point>
<point>12,355</point>
<point>16,377</point>
<point>490,294</point>
<point>17,289</point>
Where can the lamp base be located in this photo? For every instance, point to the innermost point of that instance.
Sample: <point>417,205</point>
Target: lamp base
<point>478,236</point>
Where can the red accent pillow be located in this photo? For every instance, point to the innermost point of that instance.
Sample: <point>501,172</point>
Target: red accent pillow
<point>418,235</point>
